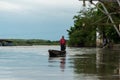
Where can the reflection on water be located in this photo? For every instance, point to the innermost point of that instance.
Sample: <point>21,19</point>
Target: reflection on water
<point>108,64</point>
<point>104,64</point>
<point>34,63</point>
<point>60,60</point>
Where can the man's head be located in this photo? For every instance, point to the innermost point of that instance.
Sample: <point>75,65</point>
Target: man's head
<point>62,36</point>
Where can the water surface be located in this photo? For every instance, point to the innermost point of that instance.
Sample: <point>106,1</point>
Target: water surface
<point>34,63</point>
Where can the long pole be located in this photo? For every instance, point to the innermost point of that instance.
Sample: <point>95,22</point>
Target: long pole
<point>118,2</point>
<point>107,13</point>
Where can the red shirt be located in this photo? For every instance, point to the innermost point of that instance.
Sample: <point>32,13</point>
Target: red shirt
<point>62,41</point>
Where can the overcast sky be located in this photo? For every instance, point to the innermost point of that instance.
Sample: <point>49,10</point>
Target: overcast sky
<point>37,19</point>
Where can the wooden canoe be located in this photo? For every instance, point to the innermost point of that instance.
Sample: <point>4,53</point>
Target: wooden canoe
<point>56,53</point>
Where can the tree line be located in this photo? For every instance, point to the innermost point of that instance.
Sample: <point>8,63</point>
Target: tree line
<point>27,42</point>
<point>87,23</point>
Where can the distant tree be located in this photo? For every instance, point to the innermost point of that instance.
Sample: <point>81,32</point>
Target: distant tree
<point>80,33</point>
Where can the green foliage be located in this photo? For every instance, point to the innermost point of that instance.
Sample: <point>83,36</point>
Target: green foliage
<point>107,27</point>
<point>75,38</point>
<point>29,42</point>
<point>83,33</point>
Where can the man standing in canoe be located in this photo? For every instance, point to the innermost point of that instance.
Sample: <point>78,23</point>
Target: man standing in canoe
<point>63,43</point>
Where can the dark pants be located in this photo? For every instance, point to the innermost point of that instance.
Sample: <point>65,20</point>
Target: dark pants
<point>63,47</point>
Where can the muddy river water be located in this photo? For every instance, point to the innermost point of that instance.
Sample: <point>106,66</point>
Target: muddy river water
<point>34,63</point>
